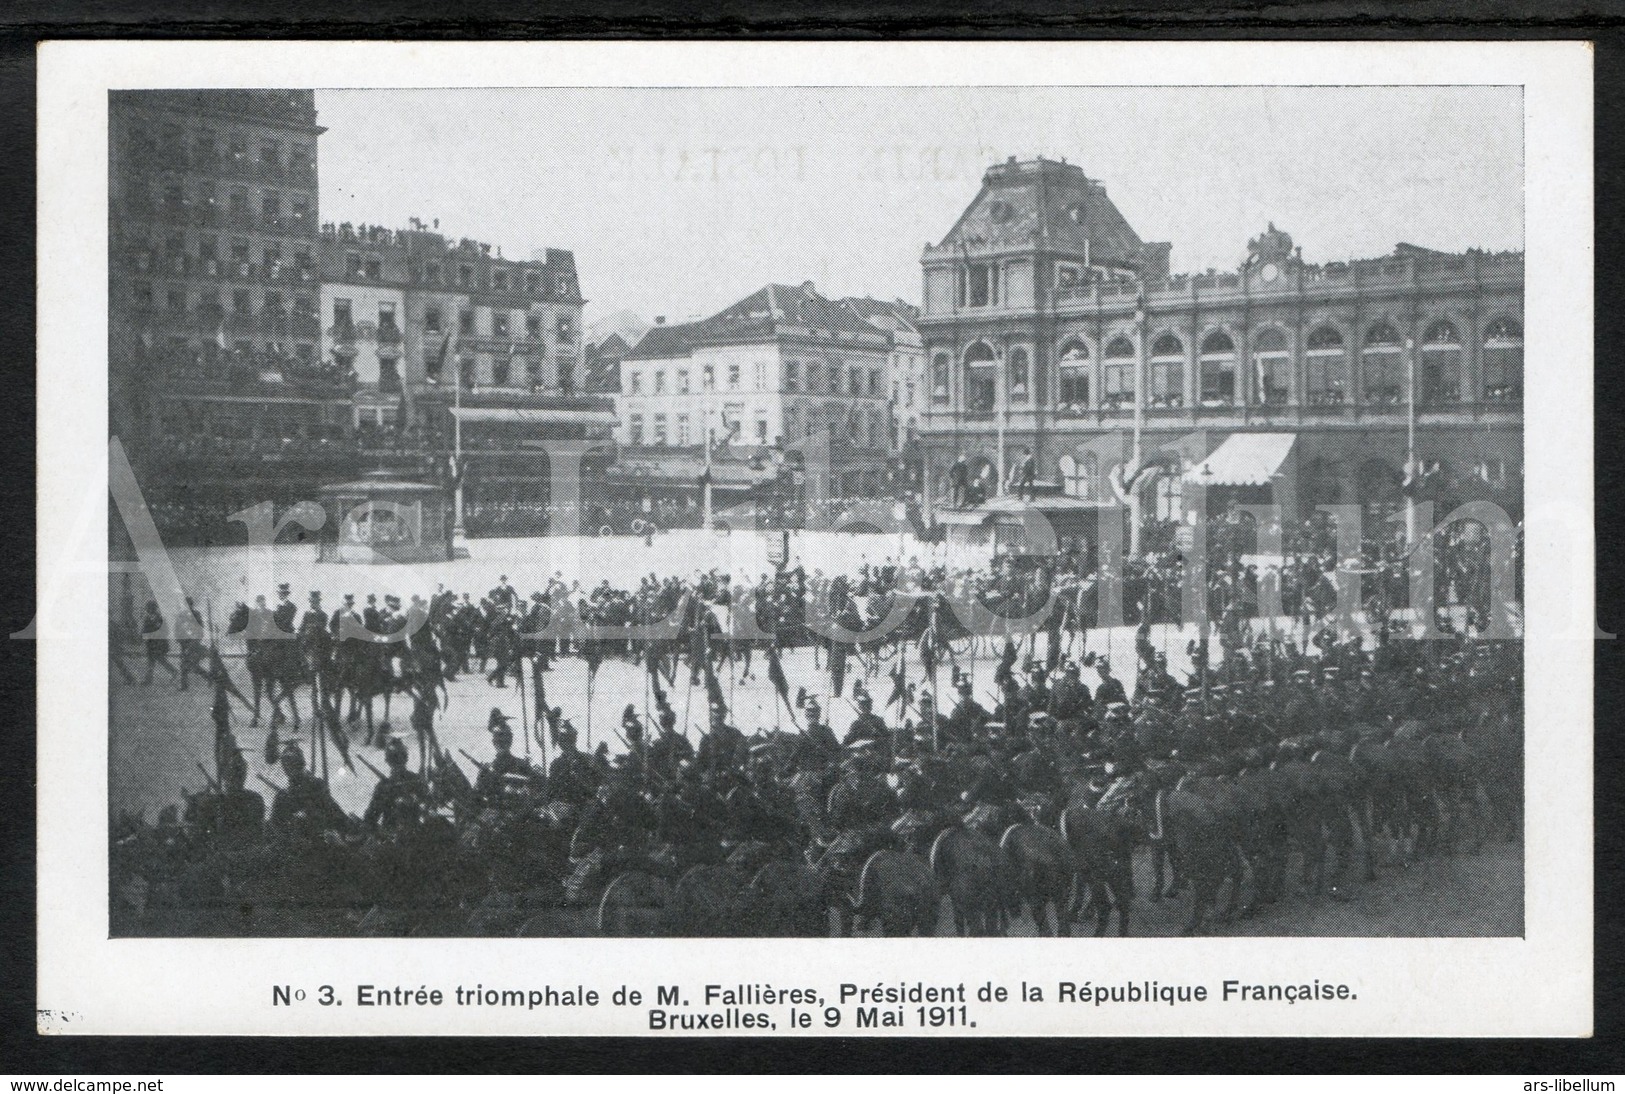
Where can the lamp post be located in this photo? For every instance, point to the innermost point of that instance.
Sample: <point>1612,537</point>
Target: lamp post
<point>459,534</point>
<point>1134,503</point>
<point>1411,470</point>
<point>705,476</point>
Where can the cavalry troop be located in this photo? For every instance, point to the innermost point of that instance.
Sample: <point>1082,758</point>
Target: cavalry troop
<point>1058,796</point>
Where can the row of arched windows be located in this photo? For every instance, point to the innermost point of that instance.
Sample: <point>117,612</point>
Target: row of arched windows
<point>1080,475</point>
<point>1441,370</point>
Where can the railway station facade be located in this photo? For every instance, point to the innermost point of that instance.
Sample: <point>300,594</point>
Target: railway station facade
<point>1046,318</point>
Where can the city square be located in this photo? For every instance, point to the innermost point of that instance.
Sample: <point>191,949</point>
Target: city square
<point>1083,596</point>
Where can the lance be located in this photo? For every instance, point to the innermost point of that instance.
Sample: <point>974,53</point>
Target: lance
<point>213,785</point>
<point>272,785</point>
<point>370,767</point>
<point>590,678</point>
<point>472,760</point>
<point>524,711</point>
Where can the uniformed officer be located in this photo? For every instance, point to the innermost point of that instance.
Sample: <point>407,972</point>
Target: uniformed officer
<point>670,749</point>
<point>1111,688</point>
<point>155,640</point>
<point>968,718</point>
<point>400,799</point>
<point>236,815</point>
<point>1069,699</point>
<point>304,806</point>
<point>573,777</point>
<point>721,747</point>
<point>492,780</point>
<point>818,739</point>
<point>867,726</point>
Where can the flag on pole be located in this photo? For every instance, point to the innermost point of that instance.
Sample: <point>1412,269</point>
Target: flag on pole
<point>341,739</point>
<point>713,687</point>
<point>438,362</point>
<point>775,673</point>
<point>1004,675</point>
<point>837,665</point>
<point>899,678</point>
<point>221,679</point>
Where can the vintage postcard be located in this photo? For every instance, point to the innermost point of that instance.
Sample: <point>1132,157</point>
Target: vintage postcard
<point>806,539</point>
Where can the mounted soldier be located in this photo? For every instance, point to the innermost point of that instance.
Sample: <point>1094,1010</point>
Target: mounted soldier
<point>235,816</point>
<point>305,806</point>
<point>493,784</point>
<point>867,726</point>
<point>400,800</point>
<point>965,723</point>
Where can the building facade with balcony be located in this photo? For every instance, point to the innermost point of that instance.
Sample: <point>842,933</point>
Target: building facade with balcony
<point>214,291</point>
<point>1048,324</point>
<point>448,340</point>
<point>776,369</point>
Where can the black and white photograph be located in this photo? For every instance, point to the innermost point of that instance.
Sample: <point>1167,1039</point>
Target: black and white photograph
<point>985,514</point>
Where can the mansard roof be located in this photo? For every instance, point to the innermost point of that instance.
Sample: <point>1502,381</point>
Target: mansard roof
<point>1048,204</point>
<point>766,314</point>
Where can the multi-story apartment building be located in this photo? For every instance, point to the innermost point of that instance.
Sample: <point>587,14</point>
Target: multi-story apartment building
<point>213,289</point>
<point>414,314</point>
<point>776,369</point>
<point>256,355</point>
<point>907,365</point>
<point>1048,324</point>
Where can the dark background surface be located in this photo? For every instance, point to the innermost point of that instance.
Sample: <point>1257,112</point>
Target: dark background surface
<point>23,1052</point>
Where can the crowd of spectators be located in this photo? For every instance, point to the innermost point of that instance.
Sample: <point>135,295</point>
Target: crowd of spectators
<point>246,367</point>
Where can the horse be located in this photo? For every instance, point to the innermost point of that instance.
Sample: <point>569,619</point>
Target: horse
<point>273,663</point>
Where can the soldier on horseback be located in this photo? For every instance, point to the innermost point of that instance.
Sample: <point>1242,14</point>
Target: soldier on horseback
<point>304,806</point>
<point>400,799</point>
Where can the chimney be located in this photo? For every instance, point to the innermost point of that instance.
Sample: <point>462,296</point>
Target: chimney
<point>660,320</point>
<point>809,288</point>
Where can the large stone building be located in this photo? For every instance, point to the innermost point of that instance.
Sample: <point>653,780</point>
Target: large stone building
<point>1048,323</point>
<point>907,365</point>
<point>213,286</point>
<point>257,355</point>
<point>776,369</point>
<point>440,334</point>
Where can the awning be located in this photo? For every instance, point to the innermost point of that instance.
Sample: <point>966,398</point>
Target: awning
<point>533,415</point>
<point>1244,459</point>
<point>967,517</point>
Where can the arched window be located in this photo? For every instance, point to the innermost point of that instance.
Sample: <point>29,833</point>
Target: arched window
<point>1167,371</point>
<point>1382,372</point>
<point>980,379</point>
<point>1325,368</point>
<point>1080,475</point>
<point>1503,361</point>
<point>1117,387</point>
<point>1074,370</point>
<point>941,366</point>
<point>1019,375</point>
<point>1218,370</point>
<point>1441,363</point>
<point>1272,368</point>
